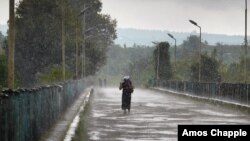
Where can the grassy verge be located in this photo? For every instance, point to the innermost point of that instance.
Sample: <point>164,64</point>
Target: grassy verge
<point>82,129</point>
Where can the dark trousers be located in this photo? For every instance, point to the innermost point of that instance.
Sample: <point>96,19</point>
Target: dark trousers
<point>126,100</point>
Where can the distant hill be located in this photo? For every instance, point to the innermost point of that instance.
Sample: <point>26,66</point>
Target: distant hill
<point>131,36</point>
<point>3,29</point>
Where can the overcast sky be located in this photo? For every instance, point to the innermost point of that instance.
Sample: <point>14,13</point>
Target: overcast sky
<point>214,16</point>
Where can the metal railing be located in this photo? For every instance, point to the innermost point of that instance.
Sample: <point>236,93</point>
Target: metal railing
<point>26,114</point>
<point>238,93</point>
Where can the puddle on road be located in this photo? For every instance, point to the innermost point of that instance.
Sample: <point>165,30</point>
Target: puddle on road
<point>150,119</point>
<point>95,114</point>
<point>214,113</point>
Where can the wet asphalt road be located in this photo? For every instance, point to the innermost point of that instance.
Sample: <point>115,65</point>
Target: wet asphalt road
<point>154,116</point>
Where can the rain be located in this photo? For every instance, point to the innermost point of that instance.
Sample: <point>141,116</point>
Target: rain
<point>133,70</point>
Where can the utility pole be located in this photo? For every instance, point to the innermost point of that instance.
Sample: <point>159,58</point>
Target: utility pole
<point>76,75</point>
<point>245,74</point>
<point>77,48</point>
<point>11,45</point>
<point>158,61</point>
<point>200,57</point>
<point>83,44</point>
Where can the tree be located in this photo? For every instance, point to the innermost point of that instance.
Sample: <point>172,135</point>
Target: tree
<point>235,72</point>
<point>38,41</point>
<point>98,42</point>
<point>54,75</point>
<point>209,69</point>
<point>137,62</point>
<point>192,43</point>
<point>3,70</point>
<point>165,69</point>
<point>2,38</point>
<point>3,61</point>
<point>214,53</point>
<point>191,46</point>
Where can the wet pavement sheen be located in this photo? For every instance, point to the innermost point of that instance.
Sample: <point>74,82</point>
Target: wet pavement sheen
<point>154,116</point>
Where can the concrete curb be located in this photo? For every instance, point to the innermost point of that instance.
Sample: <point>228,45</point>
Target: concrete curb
<point>231,105</point>
<point>59,131</point>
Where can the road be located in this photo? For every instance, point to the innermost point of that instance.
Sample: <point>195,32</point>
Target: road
<point>154,116</point>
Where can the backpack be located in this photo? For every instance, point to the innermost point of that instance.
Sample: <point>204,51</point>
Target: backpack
<point>128,85</point>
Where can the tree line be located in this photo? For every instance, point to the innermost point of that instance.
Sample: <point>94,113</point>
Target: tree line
<point>38,41</point>
<point>219,63</point>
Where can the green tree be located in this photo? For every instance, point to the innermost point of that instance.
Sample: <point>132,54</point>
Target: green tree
<point>54,74</point>
<point>183,69</point>
<point>38,41</point>
<point>38,38</point>
<point>214,54</point>
<point>134,61</point>
<point>165,69</point>
<point>236,71</point>
<point>3,70</point>
<point>209,69</point>
<point>1,40</point>
<point>192,44</point>
<point>3,61</point>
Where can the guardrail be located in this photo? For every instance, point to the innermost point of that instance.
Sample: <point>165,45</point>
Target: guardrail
<point>238,93</point>
<point>26,114</point>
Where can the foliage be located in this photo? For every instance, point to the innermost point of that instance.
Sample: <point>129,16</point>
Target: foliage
<point>3,62</point>
<point>135,61</point>
<point>39,36</point>
<point>209,69</point>
<point>182,71</point>
<point>192,43</point>
<point>218,62</point>
<point>54,75</point>
<point>3,70</point>
<point>227,57</point>
<point>235,72</point>
<point>165,69</point>
<point>2,38</point>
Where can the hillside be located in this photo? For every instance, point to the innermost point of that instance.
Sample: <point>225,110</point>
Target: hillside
<point>130,37</point>
<point>145,37</point>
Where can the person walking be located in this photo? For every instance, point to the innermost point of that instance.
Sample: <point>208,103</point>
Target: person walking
<point>127,89</point>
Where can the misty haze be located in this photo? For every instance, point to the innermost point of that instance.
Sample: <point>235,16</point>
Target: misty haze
<point>124,70</point>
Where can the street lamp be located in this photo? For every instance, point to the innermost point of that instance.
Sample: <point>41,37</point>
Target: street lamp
<point>76,67</point>
<point>171,36</point>
<point>83,44</point>
<point>194,23</point>
<point>245,42</point>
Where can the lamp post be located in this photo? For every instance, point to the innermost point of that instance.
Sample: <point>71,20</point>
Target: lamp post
<point>171,36</point>
<point>83,67</point>
<point>194,23</point>
<point>76,67</point>
<point>245,73</point>
<point>76,30</point>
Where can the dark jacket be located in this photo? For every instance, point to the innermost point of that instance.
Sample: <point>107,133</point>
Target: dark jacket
<point>126,86</point>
